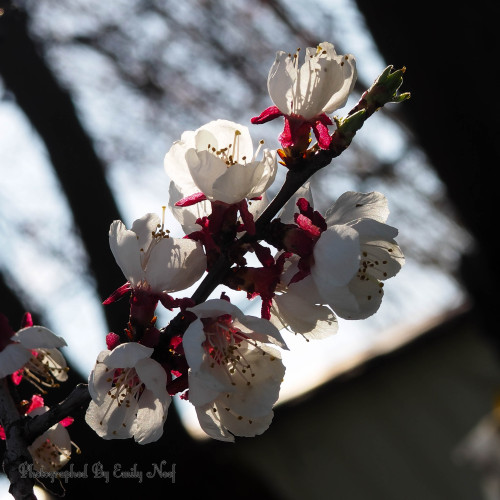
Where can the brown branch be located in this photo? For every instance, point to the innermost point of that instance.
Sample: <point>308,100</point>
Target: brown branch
<point>77,399</point>
<point>21,486</point>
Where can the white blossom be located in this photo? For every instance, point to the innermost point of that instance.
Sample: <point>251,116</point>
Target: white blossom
<point>321,84</point>
<point>350,261</point>
<point>234,375</point>
<point>355,255</point>
<point>129,395</point>
<point>34,348</point>
<point>50,451</point>
<point>218,160</point>
<point>148,256</point>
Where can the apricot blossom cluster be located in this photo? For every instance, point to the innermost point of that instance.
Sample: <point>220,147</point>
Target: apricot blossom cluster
<point>312,267</point>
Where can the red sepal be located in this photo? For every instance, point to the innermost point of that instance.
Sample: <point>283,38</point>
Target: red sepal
<point>192,199</point>
<point>118,294</point>
<point>267,115</point>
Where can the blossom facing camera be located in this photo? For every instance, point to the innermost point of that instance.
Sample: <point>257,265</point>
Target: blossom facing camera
<point>129,395</point>
<point>217,162</point>
<point>305,94</point>
<point>234,375</point>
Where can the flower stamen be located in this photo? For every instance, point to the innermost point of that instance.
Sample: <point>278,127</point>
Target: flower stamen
<point>257,151</point>
<point>158,234</point>
<point>227,346</point>
<point>126,389</point>
<point>42,370</point>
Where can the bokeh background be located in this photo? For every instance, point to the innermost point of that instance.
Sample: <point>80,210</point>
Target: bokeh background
<point>92,95</point>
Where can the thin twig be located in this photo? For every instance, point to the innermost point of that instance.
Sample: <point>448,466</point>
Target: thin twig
<point>78,398</point>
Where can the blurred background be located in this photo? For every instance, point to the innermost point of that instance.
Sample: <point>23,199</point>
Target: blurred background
<point>92,95</point>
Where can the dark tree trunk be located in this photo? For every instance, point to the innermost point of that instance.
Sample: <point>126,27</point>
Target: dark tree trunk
<point>50,110</point>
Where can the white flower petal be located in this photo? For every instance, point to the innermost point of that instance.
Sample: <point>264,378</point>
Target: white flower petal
<point>192,341</point>
<point>210,422</point>
<point>336,259</point>
<point>368,295</point>
<point>144,229</point>
<point>55,363</point>
<point>384,258</point>
<point>187,216</point>
<point>176,167</point>
<point>242,425</point>
<point>51,450</point>
<point>13,358</point>
<point>33,337</point>
<point>344,303</point>
<point>209,381</point>
<point>260,329</point>
<point>153,375</point>
<point>257,328</point>
<point>109,420</point>
<point>205,387</point>
<point>370,229</point>
<point>264,174</point>
<point>345,78</point>
<point>213,308</point>
<point>129,396</point>
<point>205,140</point>
<point>318,79</point>
<point>125,248</point>
<point>223,131</point>
<point>293,310</point>
<point>151,417</point>
<point>100,380</point>
<point>205,168</point>
<point>245,181</point>
<point>280,81</point>
<point>217,160</point>
<point>321,84</point>
<point>175,264</point>
<point>127,355</point>
<point>149,258</point>
<point>234,364</point>
<point>352,206</point>
<point>255,393</point>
